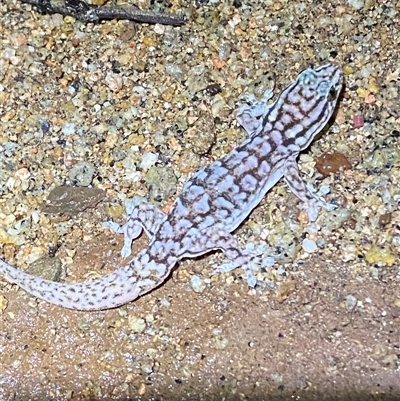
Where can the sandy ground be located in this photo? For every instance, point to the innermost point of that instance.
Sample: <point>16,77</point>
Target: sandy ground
<point>329,326</point>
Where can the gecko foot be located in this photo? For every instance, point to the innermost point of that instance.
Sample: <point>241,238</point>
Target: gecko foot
<point>251,261</point>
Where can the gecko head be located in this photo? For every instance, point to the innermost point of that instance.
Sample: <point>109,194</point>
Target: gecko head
<point>326,81</point>
<point>313,98</point>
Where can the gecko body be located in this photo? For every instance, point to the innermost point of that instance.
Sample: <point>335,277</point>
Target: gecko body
<point>214,201</point>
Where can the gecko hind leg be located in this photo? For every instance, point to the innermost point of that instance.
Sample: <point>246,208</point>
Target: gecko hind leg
<point>208,240</point>
<point>141,216</point>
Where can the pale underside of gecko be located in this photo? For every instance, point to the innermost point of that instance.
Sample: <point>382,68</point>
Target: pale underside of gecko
<point>214,201</point>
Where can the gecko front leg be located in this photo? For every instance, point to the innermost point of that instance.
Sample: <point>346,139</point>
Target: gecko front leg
<point>312,201</point>
<point>250,114</point>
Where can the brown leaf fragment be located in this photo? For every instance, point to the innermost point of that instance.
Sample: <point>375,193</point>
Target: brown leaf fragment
<point>332,162</point>
<point>72,200</point>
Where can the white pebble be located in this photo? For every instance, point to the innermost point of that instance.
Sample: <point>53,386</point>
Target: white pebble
<point>114,81</point>
<point>350,302</point>
<point>148,160</point>
<point>137,325</point>
<point>357,4</point>
<point>160,29</point>
<point>197,284</point>
<point>309,246</point>
<point>68,129</point>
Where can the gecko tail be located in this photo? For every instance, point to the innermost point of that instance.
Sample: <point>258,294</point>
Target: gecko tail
<point>106,292</point>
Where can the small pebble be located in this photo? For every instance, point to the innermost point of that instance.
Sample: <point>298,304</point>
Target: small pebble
<point>348,69</point>
<point>382,255</point>
<point>137,325</point>
<point>3,303</point>
<point>45,125</point>
<point>82,174</point>
<point>202,133</point>
<point>162,183</point>
<point>113,81</point>
<point>142,389</point>
<point>370,99</point>
<point>385,219</point>
<point>213,89</point>
<point>221,342</point>
<point>383,158</point>
<point>261,84</point>
<point>176,71</point>
<point>69,129</point>
<point>358,121</point>
<point>197,284</point>
<point>309,245</point>
<point>350,302</point>
<point>357,4</point>
<point>148,160</point>
<point>362,92</point>
<point>224,51</point>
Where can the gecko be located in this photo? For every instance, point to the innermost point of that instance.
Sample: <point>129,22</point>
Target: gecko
<point>214,201</point>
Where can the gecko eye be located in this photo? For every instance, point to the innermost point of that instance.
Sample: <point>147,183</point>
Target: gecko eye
<point>332,94</point>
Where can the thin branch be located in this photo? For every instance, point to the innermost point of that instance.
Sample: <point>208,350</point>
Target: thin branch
<point>90,13</point>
